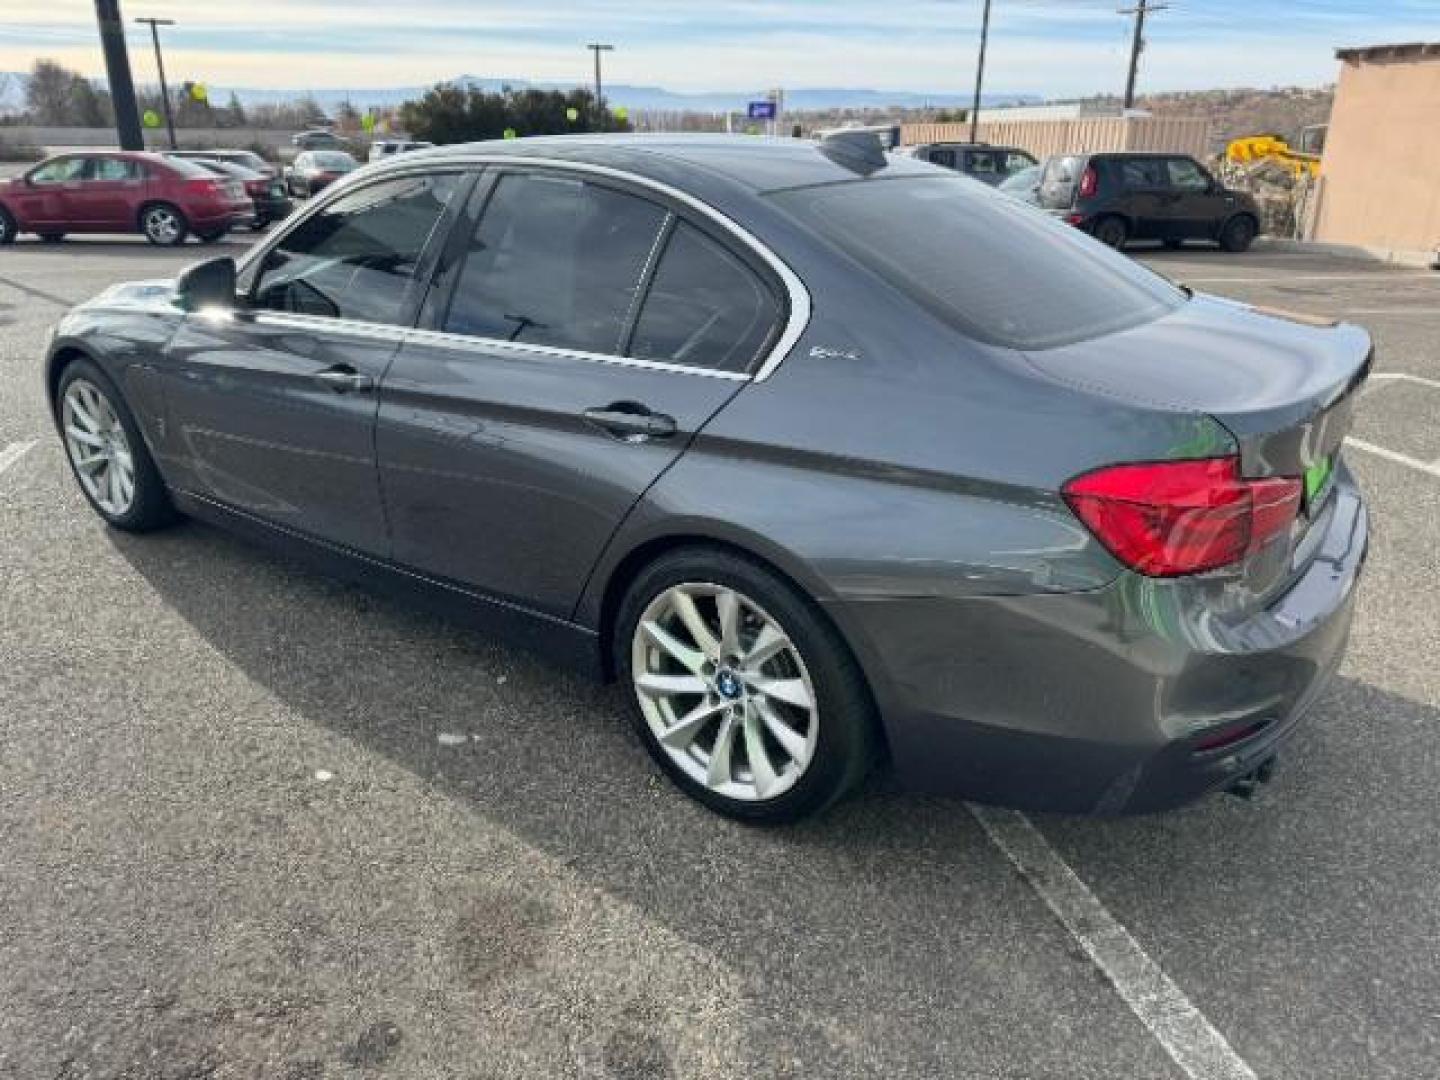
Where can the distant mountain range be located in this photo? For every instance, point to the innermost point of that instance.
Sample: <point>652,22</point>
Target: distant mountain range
<point>647,98</point>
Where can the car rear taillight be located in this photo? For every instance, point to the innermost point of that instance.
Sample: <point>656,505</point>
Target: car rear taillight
<point>204,185</point>
<point>1168,518</point>
<point>1089,182</point>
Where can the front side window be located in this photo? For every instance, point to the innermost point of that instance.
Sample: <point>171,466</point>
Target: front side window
<point>555,261</point>
<point>1017,161</point>
<point>706,308</point>
<point>980,163</point>
<point>356,258</point>
<point>1141,174</point>
<point>59,172</point>
<point>1186,175</point>
<point>983,262</point>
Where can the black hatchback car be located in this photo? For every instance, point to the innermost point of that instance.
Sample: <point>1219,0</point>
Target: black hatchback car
<point>991,165</point>
<point>1168,197</point>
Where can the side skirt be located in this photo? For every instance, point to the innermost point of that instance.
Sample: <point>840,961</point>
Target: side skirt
<point>561,642</point>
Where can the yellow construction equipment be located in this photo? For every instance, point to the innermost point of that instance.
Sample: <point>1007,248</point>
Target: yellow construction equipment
<point>1273,148</point>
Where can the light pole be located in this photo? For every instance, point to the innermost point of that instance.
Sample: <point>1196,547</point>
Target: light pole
<point>117,72</point>
<point>155,25</point>
<point>980,73</point>
<point>1137,44</point>
<point>597,48</point>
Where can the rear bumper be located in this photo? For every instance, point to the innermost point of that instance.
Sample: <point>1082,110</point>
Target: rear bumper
<point>206,216</point>
<point>1100,702</point>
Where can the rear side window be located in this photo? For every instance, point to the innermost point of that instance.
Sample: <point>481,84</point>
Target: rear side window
<point>996,269</point>
<point>705,308</point>
<point>1142,174</point>
<point>187,168</point>
<point>356,258</point>
<point>555,261</point>
<point>108,168</point>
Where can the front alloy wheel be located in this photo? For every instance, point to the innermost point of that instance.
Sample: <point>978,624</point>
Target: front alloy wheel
<point>725,691</point>
<point>98,448</point>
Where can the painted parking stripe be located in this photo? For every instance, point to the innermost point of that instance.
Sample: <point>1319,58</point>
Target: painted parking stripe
<point>13,452</point>
<point>1430,467</point>
<point>1187,1036</point>
<point>1405,376</point>
<point>1281,277</point>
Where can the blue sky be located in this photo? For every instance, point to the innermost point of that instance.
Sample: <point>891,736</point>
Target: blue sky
<point>1049,47</point>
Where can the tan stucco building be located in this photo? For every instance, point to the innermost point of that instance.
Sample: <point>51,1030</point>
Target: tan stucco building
<point>1381,169</point>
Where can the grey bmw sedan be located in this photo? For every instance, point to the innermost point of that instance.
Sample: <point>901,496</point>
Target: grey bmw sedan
<point>832,458</point>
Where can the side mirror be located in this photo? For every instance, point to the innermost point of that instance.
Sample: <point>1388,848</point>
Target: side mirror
<point>207,284</point>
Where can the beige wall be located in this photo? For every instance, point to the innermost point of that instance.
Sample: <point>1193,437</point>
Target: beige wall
<point>1381,171</point>
<point>1045,137</point>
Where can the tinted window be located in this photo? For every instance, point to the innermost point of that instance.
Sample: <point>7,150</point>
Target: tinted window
<point>990,265</point>
<point>1141,174</point>
<point>1017,160</point>
<point>333,159</point>
<point>58,172</point>
<point>705,307</point>
<point>356,258</point>
<point>1186,175</point>
<point>106,168</point>
<point>943,157</point>
<point>187,168</point>
<point>555,261</point>
<point>981,162</point>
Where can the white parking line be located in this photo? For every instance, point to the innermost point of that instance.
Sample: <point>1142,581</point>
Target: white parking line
<point>1392,376</point>
<point>1282,276</point>
<point>1430,467</point>
<point>13,452</point>
<point>1191,1040</point>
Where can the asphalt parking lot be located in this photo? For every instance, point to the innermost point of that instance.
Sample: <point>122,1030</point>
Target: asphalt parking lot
<point>257,824</point>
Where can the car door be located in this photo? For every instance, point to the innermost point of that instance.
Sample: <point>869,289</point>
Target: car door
<point>107,195</point>
<point>583,331</point>
<point>39,200</point>
<point>1145,197</point>
<point>1199,203</point>
<point>273,408</point>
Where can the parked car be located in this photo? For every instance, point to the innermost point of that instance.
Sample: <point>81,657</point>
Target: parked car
<point>989,164</point>
<point>318,139</point>
<point>1119,197</point>
<point>315,170</point>
<point>1023,185</point>
<point>246,159</point>
<point>111,191</point>
<point>828,457</point>
<point>384,148</point>
<point>269,198</point>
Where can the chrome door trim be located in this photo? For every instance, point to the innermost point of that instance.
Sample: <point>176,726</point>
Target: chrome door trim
<point>799,306</point>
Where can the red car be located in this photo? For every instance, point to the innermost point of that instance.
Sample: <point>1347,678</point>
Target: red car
<point>112,191</point>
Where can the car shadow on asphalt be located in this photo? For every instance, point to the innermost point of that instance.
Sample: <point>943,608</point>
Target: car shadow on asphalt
<point>888,897</point>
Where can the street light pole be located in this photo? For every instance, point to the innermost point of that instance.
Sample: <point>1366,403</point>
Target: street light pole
<point>597,48</point>
<point>155,24</point>
<point>117,73</point>
<point>1137,43</point>
<point>980,73</point>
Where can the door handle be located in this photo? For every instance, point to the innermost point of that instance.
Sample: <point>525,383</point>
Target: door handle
<point>344,379</point>
<point>630,421</point>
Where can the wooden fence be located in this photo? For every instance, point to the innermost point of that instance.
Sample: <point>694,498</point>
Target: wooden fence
<point>1044,138</point>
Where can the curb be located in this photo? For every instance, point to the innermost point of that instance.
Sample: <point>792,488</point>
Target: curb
<point>1421,260</point>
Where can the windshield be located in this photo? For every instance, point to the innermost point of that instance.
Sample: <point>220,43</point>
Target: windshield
<point>997,269</point>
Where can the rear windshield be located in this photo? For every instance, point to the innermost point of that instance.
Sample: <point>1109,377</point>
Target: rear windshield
<point>333,159</point>
<point>185,167</point>
<point>996,269</point>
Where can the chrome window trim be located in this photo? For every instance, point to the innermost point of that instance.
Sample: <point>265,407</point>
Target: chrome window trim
<point>352,327</point>
<point>799,306</point>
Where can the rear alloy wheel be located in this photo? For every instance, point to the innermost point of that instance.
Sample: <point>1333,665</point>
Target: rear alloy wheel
<point>108,454</point>
<point>1238,234</point>
<point>1112,232</point>
<point>7,227</point>
<point>743,694</point>
<point>164,225</point>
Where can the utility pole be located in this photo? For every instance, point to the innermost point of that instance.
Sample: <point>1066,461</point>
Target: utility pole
<point>1141,9</point>
<point>980,73</point>
<point>597,48</point>
<point>155,24</point>
<point>117,72</point>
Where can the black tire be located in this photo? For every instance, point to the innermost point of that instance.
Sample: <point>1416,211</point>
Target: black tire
<point>150,216</point>
<point>260,224</point>
<point>8,228</point>
<point>212,235</point>
<point>1239,233</point>
<point>846,741</point>
<point>1174,245</point>
<point>1111,231</point>
<point>150,507</point>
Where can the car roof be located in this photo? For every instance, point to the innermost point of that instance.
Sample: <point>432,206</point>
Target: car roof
<point>747,161</point>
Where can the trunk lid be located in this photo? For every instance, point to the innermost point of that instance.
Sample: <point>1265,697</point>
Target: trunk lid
<point>1283,385</point>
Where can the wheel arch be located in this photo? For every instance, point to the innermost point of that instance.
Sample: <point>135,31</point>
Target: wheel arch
<point>62,355</point>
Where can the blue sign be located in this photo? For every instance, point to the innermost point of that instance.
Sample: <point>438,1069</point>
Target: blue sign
<point>762,110</point>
